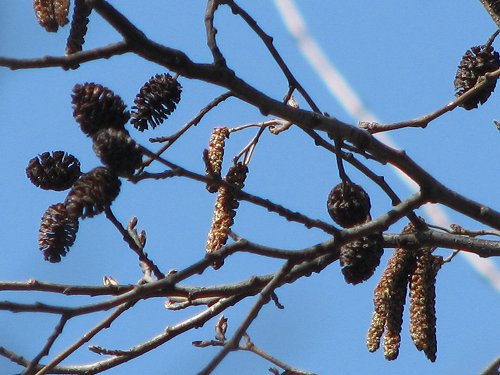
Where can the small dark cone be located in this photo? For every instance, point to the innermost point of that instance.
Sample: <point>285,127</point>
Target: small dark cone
<point>92,193</point>
<point>476,63</point>
<point>76,38</point>
<point>53,171</point>
<point>156,100</point>
<point>51,13</point>
<point>57,233</point>
<point>348,204</point>
<point>118,151</point>
<point>96,107</point>
<point>360,258</point>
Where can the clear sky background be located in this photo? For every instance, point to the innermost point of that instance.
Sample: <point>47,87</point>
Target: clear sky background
<point>401,57</point>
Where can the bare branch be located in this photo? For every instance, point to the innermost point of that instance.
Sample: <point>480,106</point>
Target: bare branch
<point>66,62</point>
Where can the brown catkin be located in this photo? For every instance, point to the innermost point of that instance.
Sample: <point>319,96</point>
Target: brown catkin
<point>389,298</point>
<point>51,13</point>
<point>78,30</point>
<point>225,208</point>
<point>215,155</point>
<point>422,303</point>
<point>399,267</point>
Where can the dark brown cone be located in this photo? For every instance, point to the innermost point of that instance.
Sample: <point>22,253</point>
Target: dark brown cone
<point>215,155</point>
<point>422,303</point>
<point>96,107</point>
<point>76,38</point>
<point>57,233</point>
<point>360,258</point>
<point>348,204</point>
<point>118,151</point>
<point>476,63</point>
<point>224,210</point>
<point>92,193</point>
<point>156,100</point>
<point>53,171</point>
<point>51,13</point>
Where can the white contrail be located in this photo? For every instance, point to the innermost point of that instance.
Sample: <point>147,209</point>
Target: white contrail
<point>352,103</point>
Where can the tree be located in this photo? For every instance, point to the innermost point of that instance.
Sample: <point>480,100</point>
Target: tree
<point>278,253</point>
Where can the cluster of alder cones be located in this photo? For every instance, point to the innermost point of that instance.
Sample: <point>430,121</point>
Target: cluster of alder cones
<point>102,116</point>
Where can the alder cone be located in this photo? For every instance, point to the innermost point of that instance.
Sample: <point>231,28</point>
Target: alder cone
<point>360,258</point>
<point>476,63</point>
<point>156,100</point>
<point>118,151</point>
<point>96,107</point>
<point>53,171</point>
<point>57,233</point>
<point>348,204</point>
<point>92,193</point>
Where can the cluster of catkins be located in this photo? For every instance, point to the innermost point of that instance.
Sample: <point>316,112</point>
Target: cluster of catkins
<point>102,116</point>
<point>226,202</point>
<point>349,205</point>
<point>416,270</point>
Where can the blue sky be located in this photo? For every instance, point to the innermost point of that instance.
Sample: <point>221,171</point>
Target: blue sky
<point>400,57</point>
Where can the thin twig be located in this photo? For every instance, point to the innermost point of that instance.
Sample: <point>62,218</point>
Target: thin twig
<point>423,121</point>
<point>50,342</point>
<point>212,6</point>
<point>134,245</point>
<point>66,62</point>
<point>193,122</point>
<point>106,323</point>
<point>268,42</point>
<point>234,341</point>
